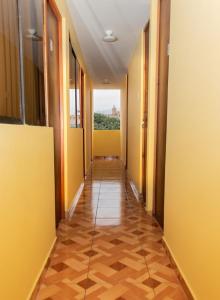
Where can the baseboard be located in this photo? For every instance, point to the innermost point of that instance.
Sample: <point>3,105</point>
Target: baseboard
<point>179,272</point>
<point>138,195</point>
<point>149,212</point>
<point>35,289</point>
<point>88,173</point>
<point>75,200</point>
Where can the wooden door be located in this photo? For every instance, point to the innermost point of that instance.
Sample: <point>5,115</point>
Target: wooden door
<point>164,38</point>
<point>54,101</point>
<point>145,112</point>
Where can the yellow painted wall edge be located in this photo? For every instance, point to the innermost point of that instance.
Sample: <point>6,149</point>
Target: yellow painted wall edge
<point>73,137</point>
<point>35,285</point>
<point>192,189</point>
<point>135,109</point>
<point>192,157</point>
<point>27,208</point>
<point>124,120</point>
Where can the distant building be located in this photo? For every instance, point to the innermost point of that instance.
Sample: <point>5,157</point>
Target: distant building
<point>115,112</point>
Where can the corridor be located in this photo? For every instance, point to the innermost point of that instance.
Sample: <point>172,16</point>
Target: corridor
<point>109,248</point>
<point>89,89</point>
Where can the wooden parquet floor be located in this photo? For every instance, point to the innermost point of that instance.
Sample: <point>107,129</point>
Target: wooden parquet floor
<point>110,248</point>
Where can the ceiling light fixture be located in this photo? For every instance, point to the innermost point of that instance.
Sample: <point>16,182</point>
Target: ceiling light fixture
<point>106,81</point>
<point>32,35</point>
<point>109,37</point>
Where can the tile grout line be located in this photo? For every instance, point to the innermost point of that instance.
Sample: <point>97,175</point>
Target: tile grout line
<point>93,235</point>
<point>141,246</point>
<point>124,182</point>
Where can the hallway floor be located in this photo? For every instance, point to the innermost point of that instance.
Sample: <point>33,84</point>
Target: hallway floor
<point>110,248</point>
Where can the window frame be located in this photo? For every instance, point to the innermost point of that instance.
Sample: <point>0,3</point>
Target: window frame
<point>78,83</point>
<point>74,55</point>
<point>42,115</point>
<point>21,86</point>
<point>21,119</point>
<point>78,94</point>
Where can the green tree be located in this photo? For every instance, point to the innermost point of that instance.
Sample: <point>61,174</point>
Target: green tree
<point>103,122</point>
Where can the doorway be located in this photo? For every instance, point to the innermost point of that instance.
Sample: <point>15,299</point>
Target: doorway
<point>106,123</point>
<point>145,110</point>
<point>54,103</point>
<point>163,69</point>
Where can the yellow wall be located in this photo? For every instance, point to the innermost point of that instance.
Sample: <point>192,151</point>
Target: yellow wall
<point>88,123</point>
<point>75,163</point>
<point>26,208</point>
<point>123,112</point>
<point>106,143</point>
<point>73,138</point>
<point>192,190</point>
<point>135,108</point>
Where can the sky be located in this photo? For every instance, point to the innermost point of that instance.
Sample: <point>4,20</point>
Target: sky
<point>105,99</point>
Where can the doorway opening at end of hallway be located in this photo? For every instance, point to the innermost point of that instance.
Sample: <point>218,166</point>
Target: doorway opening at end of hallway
<point>106,123</point>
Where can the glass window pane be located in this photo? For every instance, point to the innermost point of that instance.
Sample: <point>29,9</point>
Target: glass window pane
<point>10,110</point>
<point>72,87</point>
<point>78,95</point>
<point>32,36</point>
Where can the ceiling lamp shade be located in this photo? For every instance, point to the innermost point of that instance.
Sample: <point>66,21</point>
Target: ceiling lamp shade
<point>106,81</point>
<point>32,35</point>
<point>109,37</point>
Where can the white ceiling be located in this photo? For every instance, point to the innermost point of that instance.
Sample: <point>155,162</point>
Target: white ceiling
<point>92,17</point>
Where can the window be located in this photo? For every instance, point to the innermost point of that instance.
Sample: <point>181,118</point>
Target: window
<point>72,86</point>
<point>22,96</point>
<point>10,91</point>
<point>74,90</point>
<point>33,66</point>
<point>78,95</point>
<point>107,109</point>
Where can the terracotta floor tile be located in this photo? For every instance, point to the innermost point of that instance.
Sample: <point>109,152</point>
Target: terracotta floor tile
<point>108,222</point>
<point>109,213</point>
<point>110,248</point>
<point>110,203</point>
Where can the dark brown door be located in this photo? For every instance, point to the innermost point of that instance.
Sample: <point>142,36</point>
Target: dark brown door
<point>164,38</point>
<point>54,107</point>
<point>145,112</point>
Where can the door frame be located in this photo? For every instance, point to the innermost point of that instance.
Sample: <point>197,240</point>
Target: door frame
<point>82,99</point>
<point>58,15</point>
<point>156,168</point>
<point>127,91</point>
<point>145,109</point>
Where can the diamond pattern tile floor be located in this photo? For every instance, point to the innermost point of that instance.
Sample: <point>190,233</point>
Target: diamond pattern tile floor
<point>110,248</point>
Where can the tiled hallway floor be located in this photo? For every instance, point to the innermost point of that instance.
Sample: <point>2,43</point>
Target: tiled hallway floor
<point>110,248</point>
